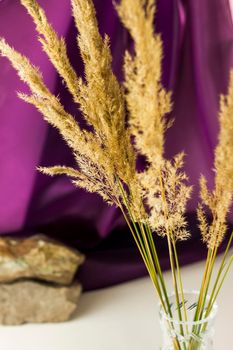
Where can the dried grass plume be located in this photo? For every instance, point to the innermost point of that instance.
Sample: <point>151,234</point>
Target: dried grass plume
<point>124,121</point>
<point>215,205</point>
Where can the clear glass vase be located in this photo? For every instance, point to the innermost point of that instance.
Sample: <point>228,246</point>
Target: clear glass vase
<point>187,335</point>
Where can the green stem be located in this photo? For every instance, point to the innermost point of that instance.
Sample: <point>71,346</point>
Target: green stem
<point>202,286</point>
<point>146,260</point>
<point>169,237</point>
<point>219,274</point>
<point>141,247</point>
<point>209,275</point>
<point>222,281</point>
<point>176,287</point>
<point>148,251</point>
<point>160,273</point>
<point>175,284</point>
<point>214,297</point>
<point>192,342</point>
<point>180,283</point>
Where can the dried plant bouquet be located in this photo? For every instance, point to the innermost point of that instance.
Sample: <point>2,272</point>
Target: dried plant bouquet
<point>125,121</point>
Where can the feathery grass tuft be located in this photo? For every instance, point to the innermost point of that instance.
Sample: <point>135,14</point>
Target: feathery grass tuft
<point>128,120</point>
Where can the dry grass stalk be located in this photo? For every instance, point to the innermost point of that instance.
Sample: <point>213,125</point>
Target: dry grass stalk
<point>105,155</point>
<point>101,96</point>
<point>87,149</point>
<point>166,193</point>
<point>125,122</point>
<point>219,200</point>
<point>54,46</point>
<point>148,102</point>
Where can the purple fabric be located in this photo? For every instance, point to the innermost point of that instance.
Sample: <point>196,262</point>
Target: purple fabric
<point>198,54</point>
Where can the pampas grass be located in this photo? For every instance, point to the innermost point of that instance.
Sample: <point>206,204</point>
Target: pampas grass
<point>129,120</point>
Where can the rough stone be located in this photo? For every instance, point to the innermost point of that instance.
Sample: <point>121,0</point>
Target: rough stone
<point>35,302</point>
<point>38,257</point>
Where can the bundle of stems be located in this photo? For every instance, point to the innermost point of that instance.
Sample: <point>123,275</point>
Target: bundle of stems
<point>127,120</point>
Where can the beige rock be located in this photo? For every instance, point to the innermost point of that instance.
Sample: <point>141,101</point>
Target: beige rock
<point>38,257</point>
<point>35,302</point>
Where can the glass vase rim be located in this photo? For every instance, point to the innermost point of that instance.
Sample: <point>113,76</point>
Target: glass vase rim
<point>177,322</point>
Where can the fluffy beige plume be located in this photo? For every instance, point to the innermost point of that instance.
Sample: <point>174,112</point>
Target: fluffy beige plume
<point>101,96</point>
<point>26,71</point>
<point>223,153</point>
<point>219,200</point>
<point>105,156</point>
<point>54,46</point>
<point>148,104</point>
<point>147,100</point>
<point>60,170</point>
<point>91,179</point>
<point>46,102</point>
<point>53,110</point>
<point>166,193</point>
<point>88,151</point>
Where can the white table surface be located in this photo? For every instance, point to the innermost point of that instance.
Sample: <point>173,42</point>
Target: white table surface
<point>118,318</point>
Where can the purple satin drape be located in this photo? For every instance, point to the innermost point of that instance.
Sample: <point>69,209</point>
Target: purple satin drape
<point>198,55</point>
